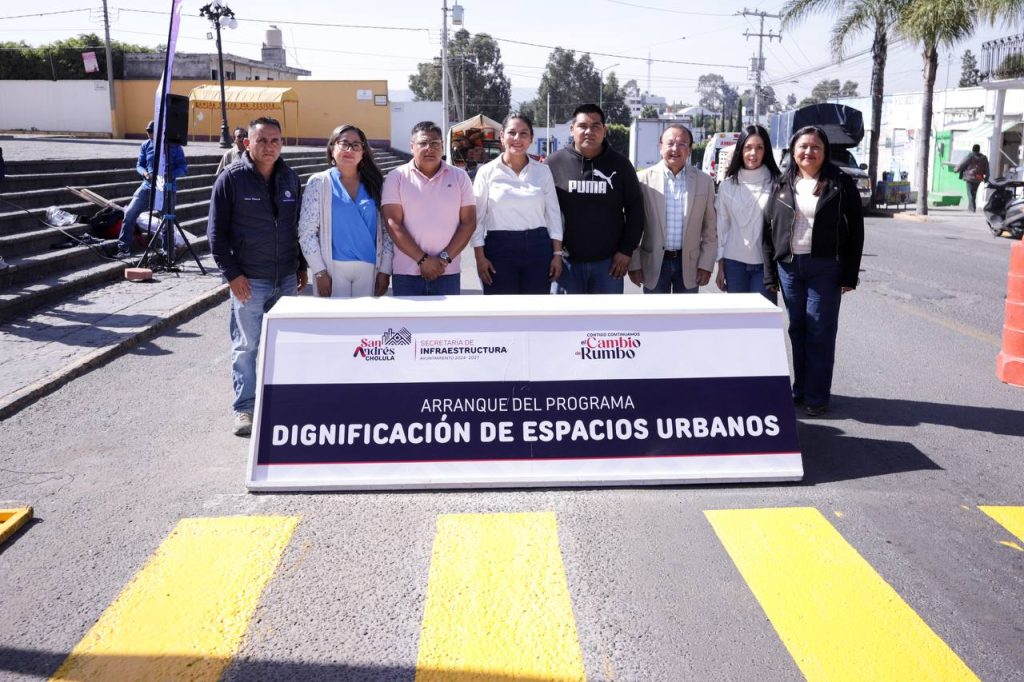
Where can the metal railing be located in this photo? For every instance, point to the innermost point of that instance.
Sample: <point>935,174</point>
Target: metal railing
<point>1003,59</point>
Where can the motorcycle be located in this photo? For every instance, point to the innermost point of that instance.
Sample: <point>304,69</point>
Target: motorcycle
<point>1004,210</point>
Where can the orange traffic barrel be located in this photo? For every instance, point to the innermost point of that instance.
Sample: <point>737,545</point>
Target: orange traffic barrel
<point>1010,362</point>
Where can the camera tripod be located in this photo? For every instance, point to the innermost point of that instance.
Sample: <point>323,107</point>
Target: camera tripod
<point>164,258</point>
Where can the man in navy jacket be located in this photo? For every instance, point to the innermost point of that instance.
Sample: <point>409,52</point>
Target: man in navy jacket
<point>253,232</point>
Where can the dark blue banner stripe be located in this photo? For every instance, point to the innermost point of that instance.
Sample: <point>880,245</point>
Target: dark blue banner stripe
<point>474,421</point>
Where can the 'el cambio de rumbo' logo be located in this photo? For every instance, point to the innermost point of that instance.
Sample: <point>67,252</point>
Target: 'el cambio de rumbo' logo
<point>609,346</point>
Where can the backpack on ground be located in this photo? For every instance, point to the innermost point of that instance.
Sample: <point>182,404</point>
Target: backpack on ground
<point>106,223</point>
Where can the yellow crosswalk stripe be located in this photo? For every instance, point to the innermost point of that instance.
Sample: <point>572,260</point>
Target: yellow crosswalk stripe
<point>1010,518</point>
<point>837,617</point>
<point>185,612</point>
<point>498,602</point>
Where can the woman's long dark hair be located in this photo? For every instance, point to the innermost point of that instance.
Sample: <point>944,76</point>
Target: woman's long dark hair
<point>792,171</point>
<point>733,171</point>
<point>369,174</point>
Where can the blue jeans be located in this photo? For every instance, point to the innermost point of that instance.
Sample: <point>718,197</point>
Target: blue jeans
<point>589,278</point>
<point>744,278</point>
<point>670,281</point>
<point>245,325</point>
<point>415,285</point>
<point>140,203</point>
<point>521,261</point>
<point>810,288</point>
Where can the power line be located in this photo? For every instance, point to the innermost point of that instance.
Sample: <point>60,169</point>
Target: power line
<point>48,14</point>
<point>617,56</point>
<point>295,23</point>
<point>670,11</point>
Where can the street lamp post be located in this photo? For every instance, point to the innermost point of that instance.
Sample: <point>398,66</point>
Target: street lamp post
<point>600,91</point>
<point>219,15</point>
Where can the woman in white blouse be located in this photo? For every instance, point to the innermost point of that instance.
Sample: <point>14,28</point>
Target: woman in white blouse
<point>518,237</point>
<point>740,205</point>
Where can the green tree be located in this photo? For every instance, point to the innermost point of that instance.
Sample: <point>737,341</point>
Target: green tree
<point>790,100</point>
<point>477,76</point>
<point>768,98</point>
<point>62,59</point>
<point>614,101</point>
<point>970,76</point>
<point>877,17</point>
<point>709,86</point>
<point>569,81</point>
<point>618,138</point>
<point>849,89</point>
<point>931,23</point>
<point>825,90</point>
<point>649,111</point>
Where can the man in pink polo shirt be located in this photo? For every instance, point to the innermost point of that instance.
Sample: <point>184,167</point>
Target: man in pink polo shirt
<point>430,211</point>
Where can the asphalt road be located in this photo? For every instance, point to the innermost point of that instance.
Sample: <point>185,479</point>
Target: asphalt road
<point>922,433</point>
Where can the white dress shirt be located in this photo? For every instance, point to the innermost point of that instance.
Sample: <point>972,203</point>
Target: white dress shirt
<point>675,208</point>
<point>506,200</point>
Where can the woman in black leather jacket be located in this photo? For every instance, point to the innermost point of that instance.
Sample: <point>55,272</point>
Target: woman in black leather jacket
<point>813,241</point>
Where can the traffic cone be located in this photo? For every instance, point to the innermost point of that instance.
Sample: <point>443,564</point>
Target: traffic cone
<point>1010,362</point>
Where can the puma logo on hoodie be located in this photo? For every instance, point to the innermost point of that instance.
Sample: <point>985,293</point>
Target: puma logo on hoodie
<point>593,186</point>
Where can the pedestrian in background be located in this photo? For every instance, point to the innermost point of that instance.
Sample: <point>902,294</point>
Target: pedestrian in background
<point>176,168</point>
<point>236,151</point>
<point>431,214</point>
<point>973,170</point>
<point>814,237</point>
<point>254,239</point>
<point>740,205</point>
<point>340,229</point>
<point>680,242</point>
<point>602,207</point>
<point>518,237</point>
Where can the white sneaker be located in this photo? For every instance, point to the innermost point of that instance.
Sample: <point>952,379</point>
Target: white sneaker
<point>243,424</point>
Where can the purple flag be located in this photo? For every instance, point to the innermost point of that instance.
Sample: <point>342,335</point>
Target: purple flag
<point>160,107</point>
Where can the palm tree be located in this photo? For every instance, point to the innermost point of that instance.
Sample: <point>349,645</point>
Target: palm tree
<point>856,16</point>
<point>931,23</point>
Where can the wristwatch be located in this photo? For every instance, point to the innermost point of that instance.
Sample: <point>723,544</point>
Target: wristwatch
<point>445,257</point>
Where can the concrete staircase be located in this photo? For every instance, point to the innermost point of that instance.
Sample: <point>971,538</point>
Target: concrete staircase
<point>43,271</point>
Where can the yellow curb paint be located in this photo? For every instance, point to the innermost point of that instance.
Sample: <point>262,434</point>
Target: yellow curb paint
<point>184,614</point>
<point>837,617</point>
<point>1010,518</point>
<point>1011,545</point>
<point>11,520</point>
<point>498,602</point>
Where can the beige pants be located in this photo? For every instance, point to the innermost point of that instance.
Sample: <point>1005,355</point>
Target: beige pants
<point>351,278</point>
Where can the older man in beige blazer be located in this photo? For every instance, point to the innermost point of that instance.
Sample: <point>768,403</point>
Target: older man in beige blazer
<point>680,243</point>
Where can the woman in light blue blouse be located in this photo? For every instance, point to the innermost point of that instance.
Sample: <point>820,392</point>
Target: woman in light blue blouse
<point>340,229</point>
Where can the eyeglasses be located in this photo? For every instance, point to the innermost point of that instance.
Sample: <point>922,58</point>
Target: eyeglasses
<point>677,145</point>
<point>349,146</point>
<point>428,144</point>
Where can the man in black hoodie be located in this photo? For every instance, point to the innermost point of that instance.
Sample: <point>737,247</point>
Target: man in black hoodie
<point>602,207</point>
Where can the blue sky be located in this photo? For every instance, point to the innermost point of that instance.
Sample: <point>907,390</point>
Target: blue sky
<point>320,36</point>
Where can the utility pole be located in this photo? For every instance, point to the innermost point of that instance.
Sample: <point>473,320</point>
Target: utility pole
<point>444,74</point>
<point>757,63</point>
<point>110,72</point>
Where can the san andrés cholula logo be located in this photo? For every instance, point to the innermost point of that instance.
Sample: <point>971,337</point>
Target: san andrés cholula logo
<point>609,346</point>
<point>382,349</point>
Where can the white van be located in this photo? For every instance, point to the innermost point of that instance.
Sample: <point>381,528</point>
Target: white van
<point>715,163</point>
